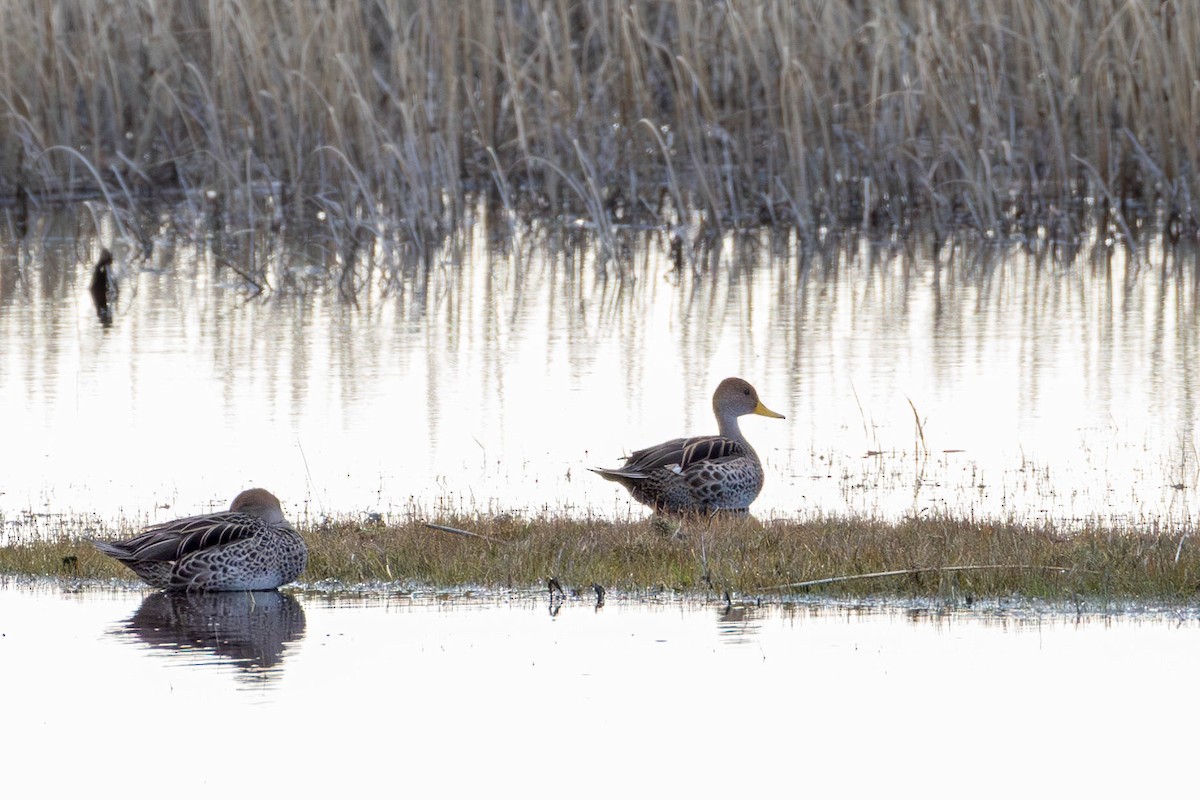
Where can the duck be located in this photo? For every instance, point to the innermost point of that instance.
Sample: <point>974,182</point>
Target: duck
<point>250,547</point>
<point>700,474</point>
<point>103,287</point>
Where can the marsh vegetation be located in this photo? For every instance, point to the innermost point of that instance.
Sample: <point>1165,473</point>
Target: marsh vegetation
<point>385,147</point>
<point>938,557</point>
<point>375,124</point>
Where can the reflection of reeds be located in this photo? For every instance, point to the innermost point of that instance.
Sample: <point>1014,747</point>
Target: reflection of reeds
<point>932,556</point>
<point>999,115</point>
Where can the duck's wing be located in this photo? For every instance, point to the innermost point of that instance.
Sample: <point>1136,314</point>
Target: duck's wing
<point>171,541</point>
<point>681,454</point>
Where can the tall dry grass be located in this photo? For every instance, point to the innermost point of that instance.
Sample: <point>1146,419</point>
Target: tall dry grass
<point>1007,116</point>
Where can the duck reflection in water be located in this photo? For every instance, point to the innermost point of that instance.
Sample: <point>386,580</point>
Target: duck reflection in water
<point>251,629</point>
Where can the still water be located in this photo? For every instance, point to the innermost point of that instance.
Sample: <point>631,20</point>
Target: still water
<point>988,382</point>
<point>304,695</point>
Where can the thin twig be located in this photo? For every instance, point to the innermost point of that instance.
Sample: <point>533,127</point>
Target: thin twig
<point>461,532</point>
<point>920,426</point>
<point>1115,205</point>
<point>258,285</point>
<point>914,571</point>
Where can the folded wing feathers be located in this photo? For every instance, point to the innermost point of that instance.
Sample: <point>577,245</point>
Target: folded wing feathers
<point>172,541</point>
<point>680,454</point>
<point>709,448</point>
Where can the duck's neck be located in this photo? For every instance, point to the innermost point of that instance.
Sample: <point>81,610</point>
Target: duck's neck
<point>727,424</point>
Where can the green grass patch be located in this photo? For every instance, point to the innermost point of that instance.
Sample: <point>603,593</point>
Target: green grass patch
<point>938,557</point>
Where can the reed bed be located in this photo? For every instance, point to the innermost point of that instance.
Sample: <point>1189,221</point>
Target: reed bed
<point>939,557</point>
<point>378,121</point>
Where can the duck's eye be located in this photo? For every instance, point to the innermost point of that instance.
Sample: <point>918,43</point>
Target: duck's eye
<point>746,392</point>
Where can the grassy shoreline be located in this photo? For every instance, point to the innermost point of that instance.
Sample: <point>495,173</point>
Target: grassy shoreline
<point>937,558</point>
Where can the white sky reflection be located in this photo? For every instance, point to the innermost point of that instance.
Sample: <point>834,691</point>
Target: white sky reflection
<point>1045,390</point>
<point>432,698</point>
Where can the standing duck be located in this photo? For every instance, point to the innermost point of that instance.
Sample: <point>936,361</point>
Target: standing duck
<point>250,547</point>
<point>702,474</point>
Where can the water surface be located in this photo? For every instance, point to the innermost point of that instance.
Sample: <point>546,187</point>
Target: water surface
<point>430,695</point>
<point>990,382</point>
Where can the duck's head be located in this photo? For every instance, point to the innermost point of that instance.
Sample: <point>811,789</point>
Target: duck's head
<point>258,503</point>
<point>737,397</point>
